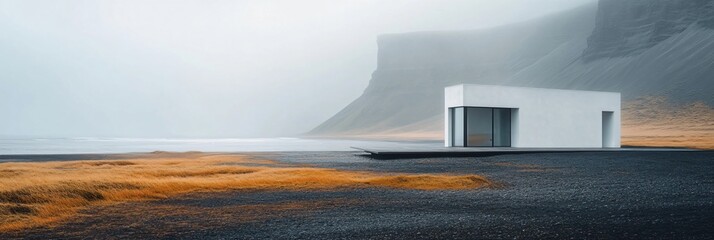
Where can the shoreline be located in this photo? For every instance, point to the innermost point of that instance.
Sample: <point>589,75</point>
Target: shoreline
<point>50,157</point>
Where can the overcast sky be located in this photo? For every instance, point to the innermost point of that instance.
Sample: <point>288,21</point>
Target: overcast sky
<point>206,68</point>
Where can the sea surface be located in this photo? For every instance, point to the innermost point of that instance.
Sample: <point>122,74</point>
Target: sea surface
<point>132,145</point>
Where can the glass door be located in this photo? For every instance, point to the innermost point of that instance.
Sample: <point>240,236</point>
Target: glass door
<point>457,126</point>
<point>479,127</point>
<point>501,127</point>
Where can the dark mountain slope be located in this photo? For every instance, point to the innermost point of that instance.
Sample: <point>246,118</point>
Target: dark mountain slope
<point>637,47</point>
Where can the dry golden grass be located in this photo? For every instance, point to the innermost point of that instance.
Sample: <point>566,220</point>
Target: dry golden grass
<point>656,122</point>
<point>42,193</point>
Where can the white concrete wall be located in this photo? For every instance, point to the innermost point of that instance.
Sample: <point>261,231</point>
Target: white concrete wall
<point>454,97</point>
<point>545,117</point>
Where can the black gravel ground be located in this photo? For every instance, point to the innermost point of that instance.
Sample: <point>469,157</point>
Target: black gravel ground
<point>620,195</point>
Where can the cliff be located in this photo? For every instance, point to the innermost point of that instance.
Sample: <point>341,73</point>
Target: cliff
<point>637,47</point>
<point>632,27</point>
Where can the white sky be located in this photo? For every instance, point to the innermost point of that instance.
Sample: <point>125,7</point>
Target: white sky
<point>206,68</point>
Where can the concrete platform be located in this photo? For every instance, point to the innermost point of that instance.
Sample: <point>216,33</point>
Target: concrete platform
<point>393,152</point>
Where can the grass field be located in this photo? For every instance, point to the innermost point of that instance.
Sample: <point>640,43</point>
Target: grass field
<point>655,122</point>
<point>43,193</point>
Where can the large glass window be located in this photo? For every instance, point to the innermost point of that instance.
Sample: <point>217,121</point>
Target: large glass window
<point>479,127</point>
<point>458,126</point>
<point>501,127</point>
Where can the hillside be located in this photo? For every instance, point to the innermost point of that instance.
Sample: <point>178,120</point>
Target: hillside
<point>662,48</point>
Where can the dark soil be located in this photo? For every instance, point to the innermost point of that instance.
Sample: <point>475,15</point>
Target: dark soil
<point>622,195</point>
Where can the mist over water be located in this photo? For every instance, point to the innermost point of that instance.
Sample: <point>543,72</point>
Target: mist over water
<point>203,69</point>
<point>142,145</point>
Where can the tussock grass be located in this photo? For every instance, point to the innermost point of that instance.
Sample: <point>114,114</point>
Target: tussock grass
<point>41,193</point>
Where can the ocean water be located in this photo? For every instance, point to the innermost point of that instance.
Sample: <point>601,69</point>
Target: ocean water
<point>134,145</point>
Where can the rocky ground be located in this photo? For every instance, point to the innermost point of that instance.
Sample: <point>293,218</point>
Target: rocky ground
<point>630,195</point>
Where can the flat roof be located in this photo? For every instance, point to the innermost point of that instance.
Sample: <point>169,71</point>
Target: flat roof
<point>521,87</point>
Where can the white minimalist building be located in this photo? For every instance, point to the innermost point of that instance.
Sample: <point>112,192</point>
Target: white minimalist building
<point>500,116</point>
